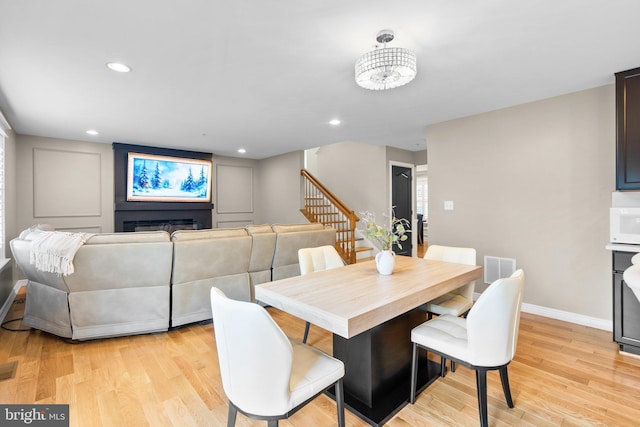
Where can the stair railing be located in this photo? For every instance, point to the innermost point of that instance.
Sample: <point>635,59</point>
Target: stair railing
<point>321,205</point>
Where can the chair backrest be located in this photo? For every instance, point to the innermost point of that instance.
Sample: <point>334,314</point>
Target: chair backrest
<point>493,322</point>
<point>293,237</point>
<point>255,356</point>
<point>319,259</point>
<point>456,255</point>
<point>631,276</point>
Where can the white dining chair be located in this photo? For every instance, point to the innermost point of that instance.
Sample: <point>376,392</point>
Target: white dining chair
<point>459,301</point>
<point>265,375</point>
<point>317,259</point>
<point>631,276</point>
<point>485,340</point>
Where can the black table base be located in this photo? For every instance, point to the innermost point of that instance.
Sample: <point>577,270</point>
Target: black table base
<point>377,362</point>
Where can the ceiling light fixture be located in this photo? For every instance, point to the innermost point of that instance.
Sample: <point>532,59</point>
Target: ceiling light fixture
<point>334,122</point>
<point>386,67</point>
<point>241,150</point>
<point>92,132</point>
<point>120,68</point>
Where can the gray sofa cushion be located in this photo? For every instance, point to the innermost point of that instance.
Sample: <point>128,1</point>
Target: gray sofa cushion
<point>216,233</point>
<point>264,244</point>
<point>206,258</point>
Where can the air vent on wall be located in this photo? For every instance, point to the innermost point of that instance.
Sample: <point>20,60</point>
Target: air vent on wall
<point>496,268</point>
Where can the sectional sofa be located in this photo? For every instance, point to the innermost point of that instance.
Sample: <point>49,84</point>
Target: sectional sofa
<point>144,282</point>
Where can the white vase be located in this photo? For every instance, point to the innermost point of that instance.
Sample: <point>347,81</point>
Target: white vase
<point>385,260</point>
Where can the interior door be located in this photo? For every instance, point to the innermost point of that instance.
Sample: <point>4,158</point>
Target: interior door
<point>401,198</point>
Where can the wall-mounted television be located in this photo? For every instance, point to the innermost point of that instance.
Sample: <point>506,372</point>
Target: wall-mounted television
<point>156,178</point>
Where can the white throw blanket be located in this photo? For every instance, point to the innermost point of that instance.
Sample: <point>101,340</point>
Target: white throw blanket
<point>53,251</point>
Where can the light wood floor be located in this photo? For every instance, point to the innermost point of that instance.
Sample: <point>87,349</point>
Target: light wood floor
<point>421,250</point>
<point>562,375</point>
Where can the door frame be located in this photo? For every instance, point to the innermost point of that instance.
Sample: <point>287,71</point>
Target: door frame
<point>414,217</point>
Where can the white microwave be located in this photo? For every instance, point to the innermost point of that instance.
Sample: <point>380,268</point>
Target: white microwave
<point>625,225</point>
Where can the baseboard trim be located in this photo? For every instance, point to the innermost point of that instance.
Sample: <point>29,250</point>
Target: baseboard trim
<point>580,319</point>
<point>12,296</point>
<point>566,316</point>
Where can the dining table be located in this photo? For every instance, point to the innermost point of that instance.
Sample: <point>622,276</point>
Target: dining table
<point>371,316</point>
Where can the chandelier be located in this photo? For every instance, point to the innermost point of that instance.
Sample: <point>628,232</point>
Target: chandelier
<point>386,67</point>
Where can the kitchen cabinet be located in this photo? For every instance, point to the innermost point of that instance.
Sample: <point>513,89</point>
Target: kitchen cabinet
<point>628,129</point>
<point>626,307</point>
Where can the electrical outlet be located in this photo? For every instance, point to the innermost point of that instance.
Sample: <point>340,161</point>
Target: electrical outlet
<point>448,205</point>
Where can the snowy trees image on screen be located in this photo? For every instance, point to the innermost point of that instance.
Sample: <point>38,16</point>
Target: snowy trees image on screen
<point>161,178</point>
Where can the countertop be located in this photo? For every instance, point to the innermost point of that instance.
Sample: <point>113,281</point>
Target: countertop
<point>622,247</point>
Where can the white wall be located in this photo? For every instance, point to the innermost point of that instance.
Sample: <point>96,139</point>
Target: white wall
<point>357,174</point>
<point>532,182</point>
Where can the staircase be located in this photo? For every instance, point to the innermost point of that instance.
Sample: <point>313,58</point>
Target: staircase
<point>321,205</point>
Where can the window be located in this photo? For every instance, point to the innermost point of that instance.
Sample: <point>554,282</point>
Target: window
<point>4,127</point>
<point>421,191</point>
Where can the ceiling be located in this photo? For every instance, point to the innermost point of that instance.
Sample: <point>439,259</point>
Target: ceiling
<point>216,76</point>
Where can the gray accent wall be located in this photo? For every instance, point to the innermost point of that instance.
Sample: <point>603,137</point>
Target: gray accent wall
<point>279,189</point>
<point>68,184</point>
<point>234,192</point>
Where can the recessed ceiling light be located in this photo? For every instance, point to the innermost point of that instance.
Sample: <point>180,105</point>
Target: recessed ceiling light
<point>241,150</point>
<point>92,132</point>
<point>120,68</point>
<point>334,122</point>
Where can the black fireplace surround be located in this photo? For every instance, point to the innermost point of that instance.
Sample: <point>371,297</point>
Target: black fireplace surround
<point>145,216</point>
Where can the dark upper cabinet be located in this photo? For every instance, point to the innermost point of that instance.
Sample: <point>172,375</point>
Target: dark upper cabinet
<point>628,130</point>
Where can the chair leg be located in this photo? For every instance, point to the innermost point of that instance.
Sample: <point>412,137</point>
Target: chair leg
<point>340,402</point>
<point>443,366</point>
<point>306,332</point>
<point>504,378</point>
<point>453,366</point>
<point>481,384</point>
<point>414,374</point>
<point>231,417</point>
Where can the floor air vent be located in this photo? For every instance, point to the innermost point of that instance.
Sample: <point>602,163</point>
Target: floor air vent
<point>496,268</point>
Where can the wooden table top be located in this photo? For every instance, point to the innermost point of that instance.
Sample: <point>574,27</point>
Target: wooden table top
<point>355,298</point>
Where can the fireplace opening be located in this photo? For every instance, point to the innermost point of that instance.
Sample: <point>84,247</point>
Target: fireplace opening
<point>167,225</point>
<point>168,220</point>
